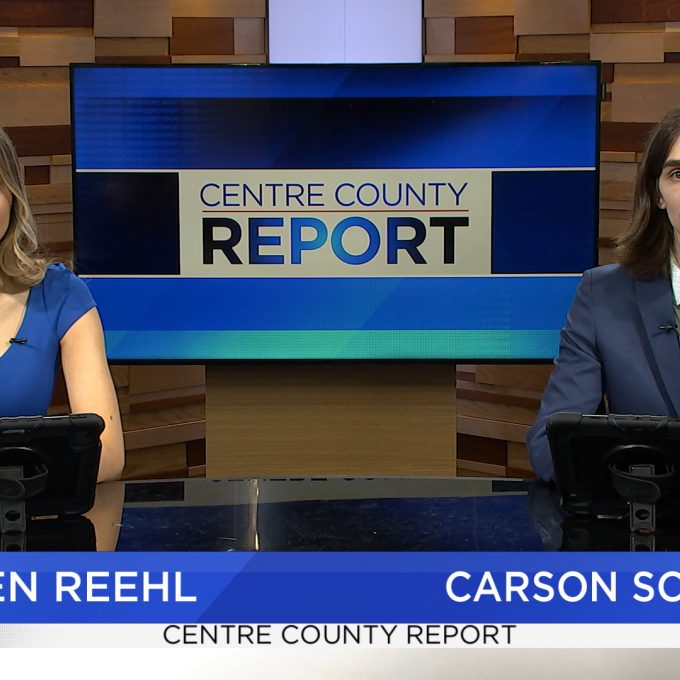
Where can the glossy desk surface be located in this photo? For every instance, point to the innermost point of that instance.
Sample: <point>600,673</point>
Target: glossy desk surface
<point>328,513</point>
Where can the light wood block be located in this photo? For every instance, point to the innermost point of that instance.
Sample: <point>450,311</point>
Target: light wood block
<point>155,462</point>
<point>499,412</point>
<point>132,19</point>
<point>671,41</point>
<point>21,77</point>
<point>9,47</point>
<point>552,17</point>
<point>55,51</point>
<point>468,57</point>
<point>249,36</point>
<point>330,419</point>
<point>25,161</point>
<point>6,32</point>
<point>167,426</point>
<point>605,111</point>
<point>55,233</point>
<point>28,106</point>
<point>440,35</point>
<point>219,8</point>
<point>618,171</point>
<point>60,174</point>
<point>49,193</point>
<point>131,47</point>
<point>52,209</point>
<point>637,47</point>
<point>647,73</point>
<point>51,32</point>
<point>469,8</point>
<point>643,102</point>
<point>617,156</point>
<point>613,228</point>
<point>487,469</point>
<point>554,44</point>
<point>479,427</point>
<point>616,191</point>
<point>157,378</point>
<point>220,59</point>
<point>646,27</point>
<point>615,205</point>
<point>533,377</point>
<point>61,159</point>
<point>120,375</point>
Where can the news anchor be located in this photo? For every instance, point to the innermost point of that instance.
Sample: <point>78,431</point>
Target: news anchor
<point>619,348</point>
<point>47,315</point>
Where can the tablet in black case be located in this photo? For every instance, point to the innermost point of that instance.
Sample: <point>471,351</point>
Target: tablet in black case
<point>66,447</point>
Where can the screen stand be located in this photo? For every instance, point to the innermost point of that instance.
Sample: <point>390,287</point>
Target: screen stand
<point>327,418</point>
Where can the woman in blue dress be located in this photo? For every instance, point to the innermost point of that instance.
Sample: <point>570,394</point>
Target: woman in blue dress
<point>48,317</point>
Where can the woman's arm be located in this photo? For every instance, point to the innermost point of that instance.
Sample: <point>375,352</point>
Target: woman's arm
<point>90,388</point>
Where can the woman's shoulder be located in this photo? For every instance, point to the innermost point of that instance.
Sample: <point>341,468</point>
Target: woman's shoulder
<point>66,297</point>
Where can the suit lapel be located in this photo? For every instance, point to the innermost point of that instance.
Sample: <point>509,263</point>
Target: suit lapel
<point>656,309</point>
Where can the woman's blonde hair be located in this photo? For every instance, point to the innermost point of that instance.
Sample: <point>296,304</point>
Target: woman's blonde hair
<point>19,255</point>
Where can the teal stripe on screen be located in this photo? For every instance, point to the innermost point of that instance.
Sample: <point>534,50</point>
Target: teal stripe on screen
<point>448,344</point>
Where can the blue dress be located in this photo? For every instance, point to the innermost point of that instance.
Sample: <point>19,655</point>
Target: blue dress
<point>27,371</point>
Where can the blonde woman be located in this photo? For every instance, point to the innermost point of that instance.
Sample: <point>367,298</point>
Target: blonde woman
<point>47,315</point>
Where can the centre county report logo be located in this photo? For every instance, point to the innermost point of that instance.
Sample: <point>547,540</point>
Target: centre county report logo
<point>335,223</point>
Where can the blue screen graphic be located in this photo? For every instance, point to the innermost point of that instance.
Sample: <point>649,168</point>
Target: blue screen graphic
<point>533,128</point>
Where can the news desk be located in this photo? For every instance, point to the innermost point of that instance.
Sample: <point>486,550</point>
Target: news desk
<point>335,514</point>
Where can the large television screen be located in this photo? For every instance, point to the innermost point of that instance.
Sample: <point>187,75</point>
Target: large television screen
<point>441,211</point>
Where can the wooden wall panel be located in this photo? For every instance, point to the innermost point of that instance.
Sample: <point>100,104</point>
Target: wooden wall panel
<point>633,11</point>
<point>618,47</point>
<point>204,36</point>
<point>55,51</point>
<point>553,17</point>
<point>132,18</point>
<point>40,140</point>
<point>485,35</point>
<point>34,106</point>
<point>469,8</point>
<point>219,8</point>
<point>249,35</point>
<point>643,102</point>
<point>440,35</point>
<point>331,419</point>
<point>49,13</point>
<point>131,47</point>
<point>554,44</point>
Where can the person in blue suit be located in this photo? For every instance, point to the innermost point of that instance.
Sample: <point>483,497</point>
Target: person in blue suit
<point>48,317</point>
<point>619,349</point>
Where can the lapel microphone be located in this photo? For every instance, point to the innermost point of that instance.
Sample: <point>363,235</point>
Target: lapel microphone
<point>663,327</point>
<point>18,341</point>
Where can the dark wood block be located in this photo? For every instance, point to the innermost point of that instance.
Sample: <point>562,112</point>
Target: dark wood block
<point>624,136</point>
<point>577,56</point>
<point>148,59</point>
<point>485,35</point>
<point>607,73</point>
<point>46,140</point>
<point>672,57</point>
<point>633,11</point>
<point>481,449</point>
<point>196,452</point>
<point>37,174</point>
<point>47,13</point>
<point>9,62</point>
<point>202,35</point>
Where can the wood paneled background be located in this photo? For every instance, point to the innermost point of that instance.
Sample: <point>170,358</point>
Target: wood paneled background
<point>163,408</point>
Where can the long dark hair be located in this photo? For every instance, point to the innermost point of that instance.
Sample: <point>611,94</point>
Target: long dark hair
<point>644,248</point>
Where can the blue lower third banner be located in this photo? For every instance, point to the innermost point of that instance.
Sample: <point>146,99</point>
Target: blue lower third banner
<point>358,590</point>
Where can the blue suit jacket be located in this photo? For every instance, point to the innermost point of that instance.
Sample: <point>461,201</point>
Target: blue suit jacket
<point>612,345</point>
